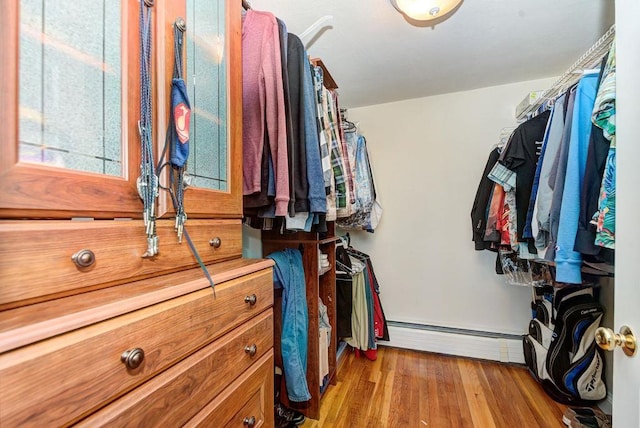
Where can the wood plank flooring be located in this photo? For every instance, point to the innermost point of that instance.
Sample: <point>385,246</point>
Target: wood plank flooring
<point>404,388</point>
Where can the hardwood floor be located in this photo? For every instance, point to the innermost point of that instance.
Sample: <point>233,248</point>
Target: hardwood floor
<point>404,388</point>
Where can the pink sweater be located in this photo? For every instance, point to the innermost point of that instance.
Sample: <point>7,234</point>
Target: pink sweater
<point>263,105</point>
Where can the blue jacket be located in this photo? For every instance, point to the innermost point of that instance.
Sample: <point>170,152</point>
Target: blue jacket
<point>568,261</point>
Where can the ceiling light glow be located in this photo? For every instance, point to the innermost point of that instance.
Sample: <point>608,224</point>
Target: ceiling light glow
<point>424,10</point>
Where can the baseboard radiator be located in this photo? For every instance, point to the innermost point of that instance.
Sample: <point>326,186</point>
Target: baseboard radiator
<point>485,345</point>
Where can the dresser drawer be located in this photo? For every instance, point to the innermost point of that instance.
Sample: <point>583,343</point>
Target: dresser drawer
<point>174,396</point>
<point>65,378</point>
<point>36,257</point>
<point>248,399</point>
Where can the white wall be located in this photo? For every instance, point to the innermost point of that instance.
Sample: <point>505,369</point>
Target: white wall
<point>428,155</point>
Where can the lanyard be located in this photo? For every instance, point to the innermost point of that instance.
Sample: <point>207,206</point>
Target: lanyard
<point>147,182</point>
<point>177,144</point>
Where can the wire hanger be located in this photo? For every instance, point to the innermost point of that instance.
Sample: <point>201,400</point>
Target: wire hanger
<point>346,125</point>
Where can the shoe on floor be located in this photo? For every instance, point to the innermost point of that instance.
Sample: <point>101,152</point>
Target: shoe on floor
<point>584,412</point>
<point>588,422</point>
<point>288,415</point>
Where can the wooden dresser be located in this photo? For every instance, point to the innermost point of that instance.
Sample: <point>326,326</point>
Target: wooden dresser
<point>91,333</point>
<point>153,352</point>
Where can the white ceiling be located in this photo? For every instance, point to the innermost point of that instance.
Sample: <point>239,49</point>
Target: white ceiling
<point>377,56</point>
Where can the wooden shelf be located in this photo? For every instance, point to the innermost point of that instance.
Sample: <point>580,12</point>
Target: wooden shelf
<point>327,78</point>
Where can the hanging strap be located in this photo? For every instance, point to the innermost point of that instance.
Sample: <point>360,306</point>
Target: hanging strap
<point>147,182</point>
<point>177,147</point>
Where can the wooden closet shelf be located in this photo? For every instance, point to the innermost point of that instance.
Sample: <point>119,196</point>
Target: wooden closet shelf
<point>304,241</point>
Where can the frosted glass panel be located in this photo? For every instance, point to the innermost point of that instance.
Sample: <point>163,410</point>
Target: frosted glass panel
<point>70,84</point>
<point>206,77</point>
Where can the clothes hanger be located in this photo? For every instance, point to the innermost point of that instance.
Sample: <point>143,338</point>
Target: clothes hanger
<point>325,21</point>
<point>344,269</point>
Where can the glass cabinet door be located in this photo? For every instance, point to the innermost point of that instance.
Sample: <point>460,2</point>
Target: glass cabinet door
<point>212,74</point>
<point>70,94</point>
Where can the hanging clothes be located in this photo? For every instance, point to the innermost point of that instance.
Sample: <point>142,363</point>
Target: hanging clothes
<point>344,293</point>
<point>481,203</point>
<point>569,262</point>
<point>308,183</point>
<point>296,164</point>
<point>521,157</point>
<point>556,178</point>
<point>345,155</point>
<point>546,205</point>
<point>604,116</point>
<point>263,106</point>
<point>590,192</point>
<point>528,232</point>
<point>288,271</point>
<point>291,149</point>
<point>492,231</point>
<point>296,72</point>
<point>361,319</point>
<point>544,195</point>
<point>364,187</point>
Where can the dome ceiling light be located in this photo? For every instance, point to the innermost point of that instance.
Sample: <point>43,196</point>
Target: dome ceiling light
<point>425,10</point>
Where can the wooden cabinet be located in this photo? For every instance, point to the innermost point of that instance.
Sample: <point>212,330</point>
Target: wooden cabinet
<point>53,156</point>
<point>64,359</point>
<point>244,403</point>
<point>70,142</point>
<point>319,284</point>
<point>115,248</point>
<point>213,77</point>
<point>91,333</point>
<point>195,381</point>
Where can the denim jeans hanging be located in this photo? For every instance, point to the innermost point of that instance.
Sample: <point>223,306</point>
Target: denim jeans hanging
<point>289,272</point>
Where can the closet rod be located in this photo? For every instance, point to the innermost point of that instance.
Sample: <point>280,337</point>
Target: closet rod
<point>589,59</point>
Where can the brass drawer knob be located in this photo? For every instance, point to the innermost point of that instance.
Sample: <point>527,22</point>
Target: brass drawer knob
<point>249,421</point>
<point>251,300</point>
<point>251,350</point>
<point>84,258</point>
<point>215,242</point>
<point>132,358</point>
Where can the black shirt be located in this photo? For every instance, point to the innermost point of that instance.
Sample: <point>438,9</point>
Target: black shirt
<point>521,157</point>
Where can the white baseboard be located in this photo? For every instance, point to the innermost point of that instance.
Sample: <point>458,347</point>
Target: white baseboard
<point>503,348</point>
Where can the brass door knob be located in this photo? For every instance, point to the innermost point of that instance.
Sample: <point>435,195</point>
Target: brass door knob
<point>249,421</point>
<point>251,350</point>
<point>215,242</point>
<point>132,358</point>
<point>84,258</point>
<point>251,300</point>
<point>608,340</point>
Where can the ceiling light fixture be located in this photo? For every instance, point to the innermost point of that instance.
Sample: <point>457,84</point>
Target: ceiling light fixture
<point>425,10</point>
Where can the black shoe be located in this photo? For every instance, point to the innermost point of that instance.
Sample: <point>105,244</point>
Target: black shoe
<point>285,414</point>
<point>283,423</point>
